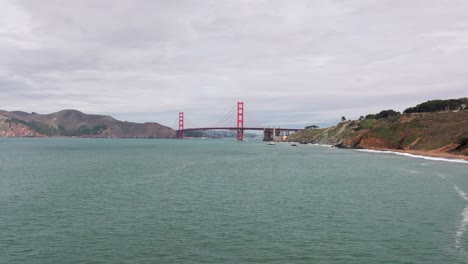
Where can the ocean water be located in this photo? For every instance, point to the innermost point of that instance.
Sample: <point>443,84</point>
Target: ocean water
<point>222,201</point>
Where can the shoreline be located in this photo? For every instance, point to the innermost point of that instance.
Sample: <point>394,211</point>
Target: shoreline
<point>421,153</point>
<point>430,153</point>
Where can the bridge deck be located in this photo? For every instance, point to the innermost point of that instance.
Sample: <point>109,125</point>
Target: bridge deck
<point>245,128</point>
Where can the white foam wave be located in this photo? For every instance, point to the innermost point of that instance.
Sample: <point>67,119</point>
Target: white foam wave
<point>461,227</point>
<point>413,155</point>
<point>409,171</point>
<point>461,193</point>
<point>321,145</point>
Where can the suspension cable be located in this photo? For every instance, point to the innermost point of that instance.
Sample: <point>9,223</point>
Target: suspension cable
<point>254,119</point>
<point>226,116</point>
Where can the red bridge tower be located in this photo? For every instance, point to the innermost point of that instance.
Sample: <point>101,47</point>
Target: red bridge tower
<point>181,125</point>
<point>240,121</point>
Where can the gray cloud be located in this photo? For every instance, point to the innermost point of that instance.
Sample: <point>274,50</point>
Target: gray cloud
<point>292,62</point>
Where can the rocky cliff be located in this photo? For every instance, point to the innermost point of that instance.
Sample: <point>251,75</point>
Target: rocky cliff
<point>439,131</point>
<point>73,123</point>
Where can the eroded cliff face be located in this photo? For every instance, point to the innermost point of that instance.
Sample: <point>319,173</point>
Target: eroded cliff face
<point>370,142</point>
<point>440,131</point>
<point>17,130</point>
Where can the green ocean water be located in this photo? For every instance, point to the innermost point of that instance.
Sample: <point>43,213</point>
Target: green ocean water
<point>222,201</point>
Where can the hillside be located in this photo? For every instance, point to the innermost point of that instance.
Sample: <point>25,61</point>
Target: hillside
<point>436,132</point>
<point>73,123</point>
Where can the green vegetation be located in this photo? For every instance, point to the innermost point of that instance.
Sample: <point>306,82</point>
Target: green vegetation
<point>463,141</point>
<point>438,105</point>
<point>408,141</point>
<point>365,124</point>
<point>96,130</point>
<point>383,114</point>
<point>391,134</point>
<point>38,127</point>
<point>387,114</point>
<point>47,130</point>
<point>311,127</point>
<point>16,121</point>
<point>42,128</point>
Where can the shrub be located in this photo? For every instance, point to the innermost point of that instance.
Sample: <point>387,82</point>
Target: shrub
<point>16,121</point>
<point>87,131</point>
<point>463,141</point>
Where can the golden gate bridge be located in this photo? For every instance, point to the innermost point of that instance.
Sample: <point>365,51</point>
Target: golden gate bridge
<point>269,133</point>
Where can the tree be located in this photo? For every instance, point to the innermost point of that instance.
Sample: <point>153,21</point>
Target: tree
<point>361,118</point>
<point>343,118</point>
<point>437,105</point>
<point>386,114</point>
<point>311,127</point>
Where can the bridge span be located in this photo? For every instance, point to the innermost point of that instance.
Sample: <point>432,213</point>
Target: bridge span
<point>269,133</point>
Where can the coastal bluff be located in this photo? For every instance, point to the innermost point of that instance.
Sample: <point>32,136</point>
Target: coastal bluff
<point>443,133</point>
<point>73,123</point>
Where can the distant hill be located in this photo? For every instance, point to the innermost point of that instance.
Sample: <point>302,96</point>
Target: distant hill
<point>438,132</point>
<point>73,123</point>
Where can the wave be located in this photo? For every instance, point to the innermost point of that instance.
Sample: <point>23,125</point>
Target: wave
<point>321,145</point>
<point>410,171</point>
<point>413,155</point>
<point>461,230</point>
<point>461,193</point>
<point>463,222</point>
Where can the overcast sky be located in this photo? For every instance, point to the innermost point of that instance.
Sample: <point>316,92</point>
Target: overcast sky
<point>293,63</point>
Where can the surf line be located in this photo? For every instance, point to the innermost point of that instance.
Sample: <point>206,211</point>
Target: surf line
<point>412,155</point>
<point>461,231</point>
<point>463,224</point>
